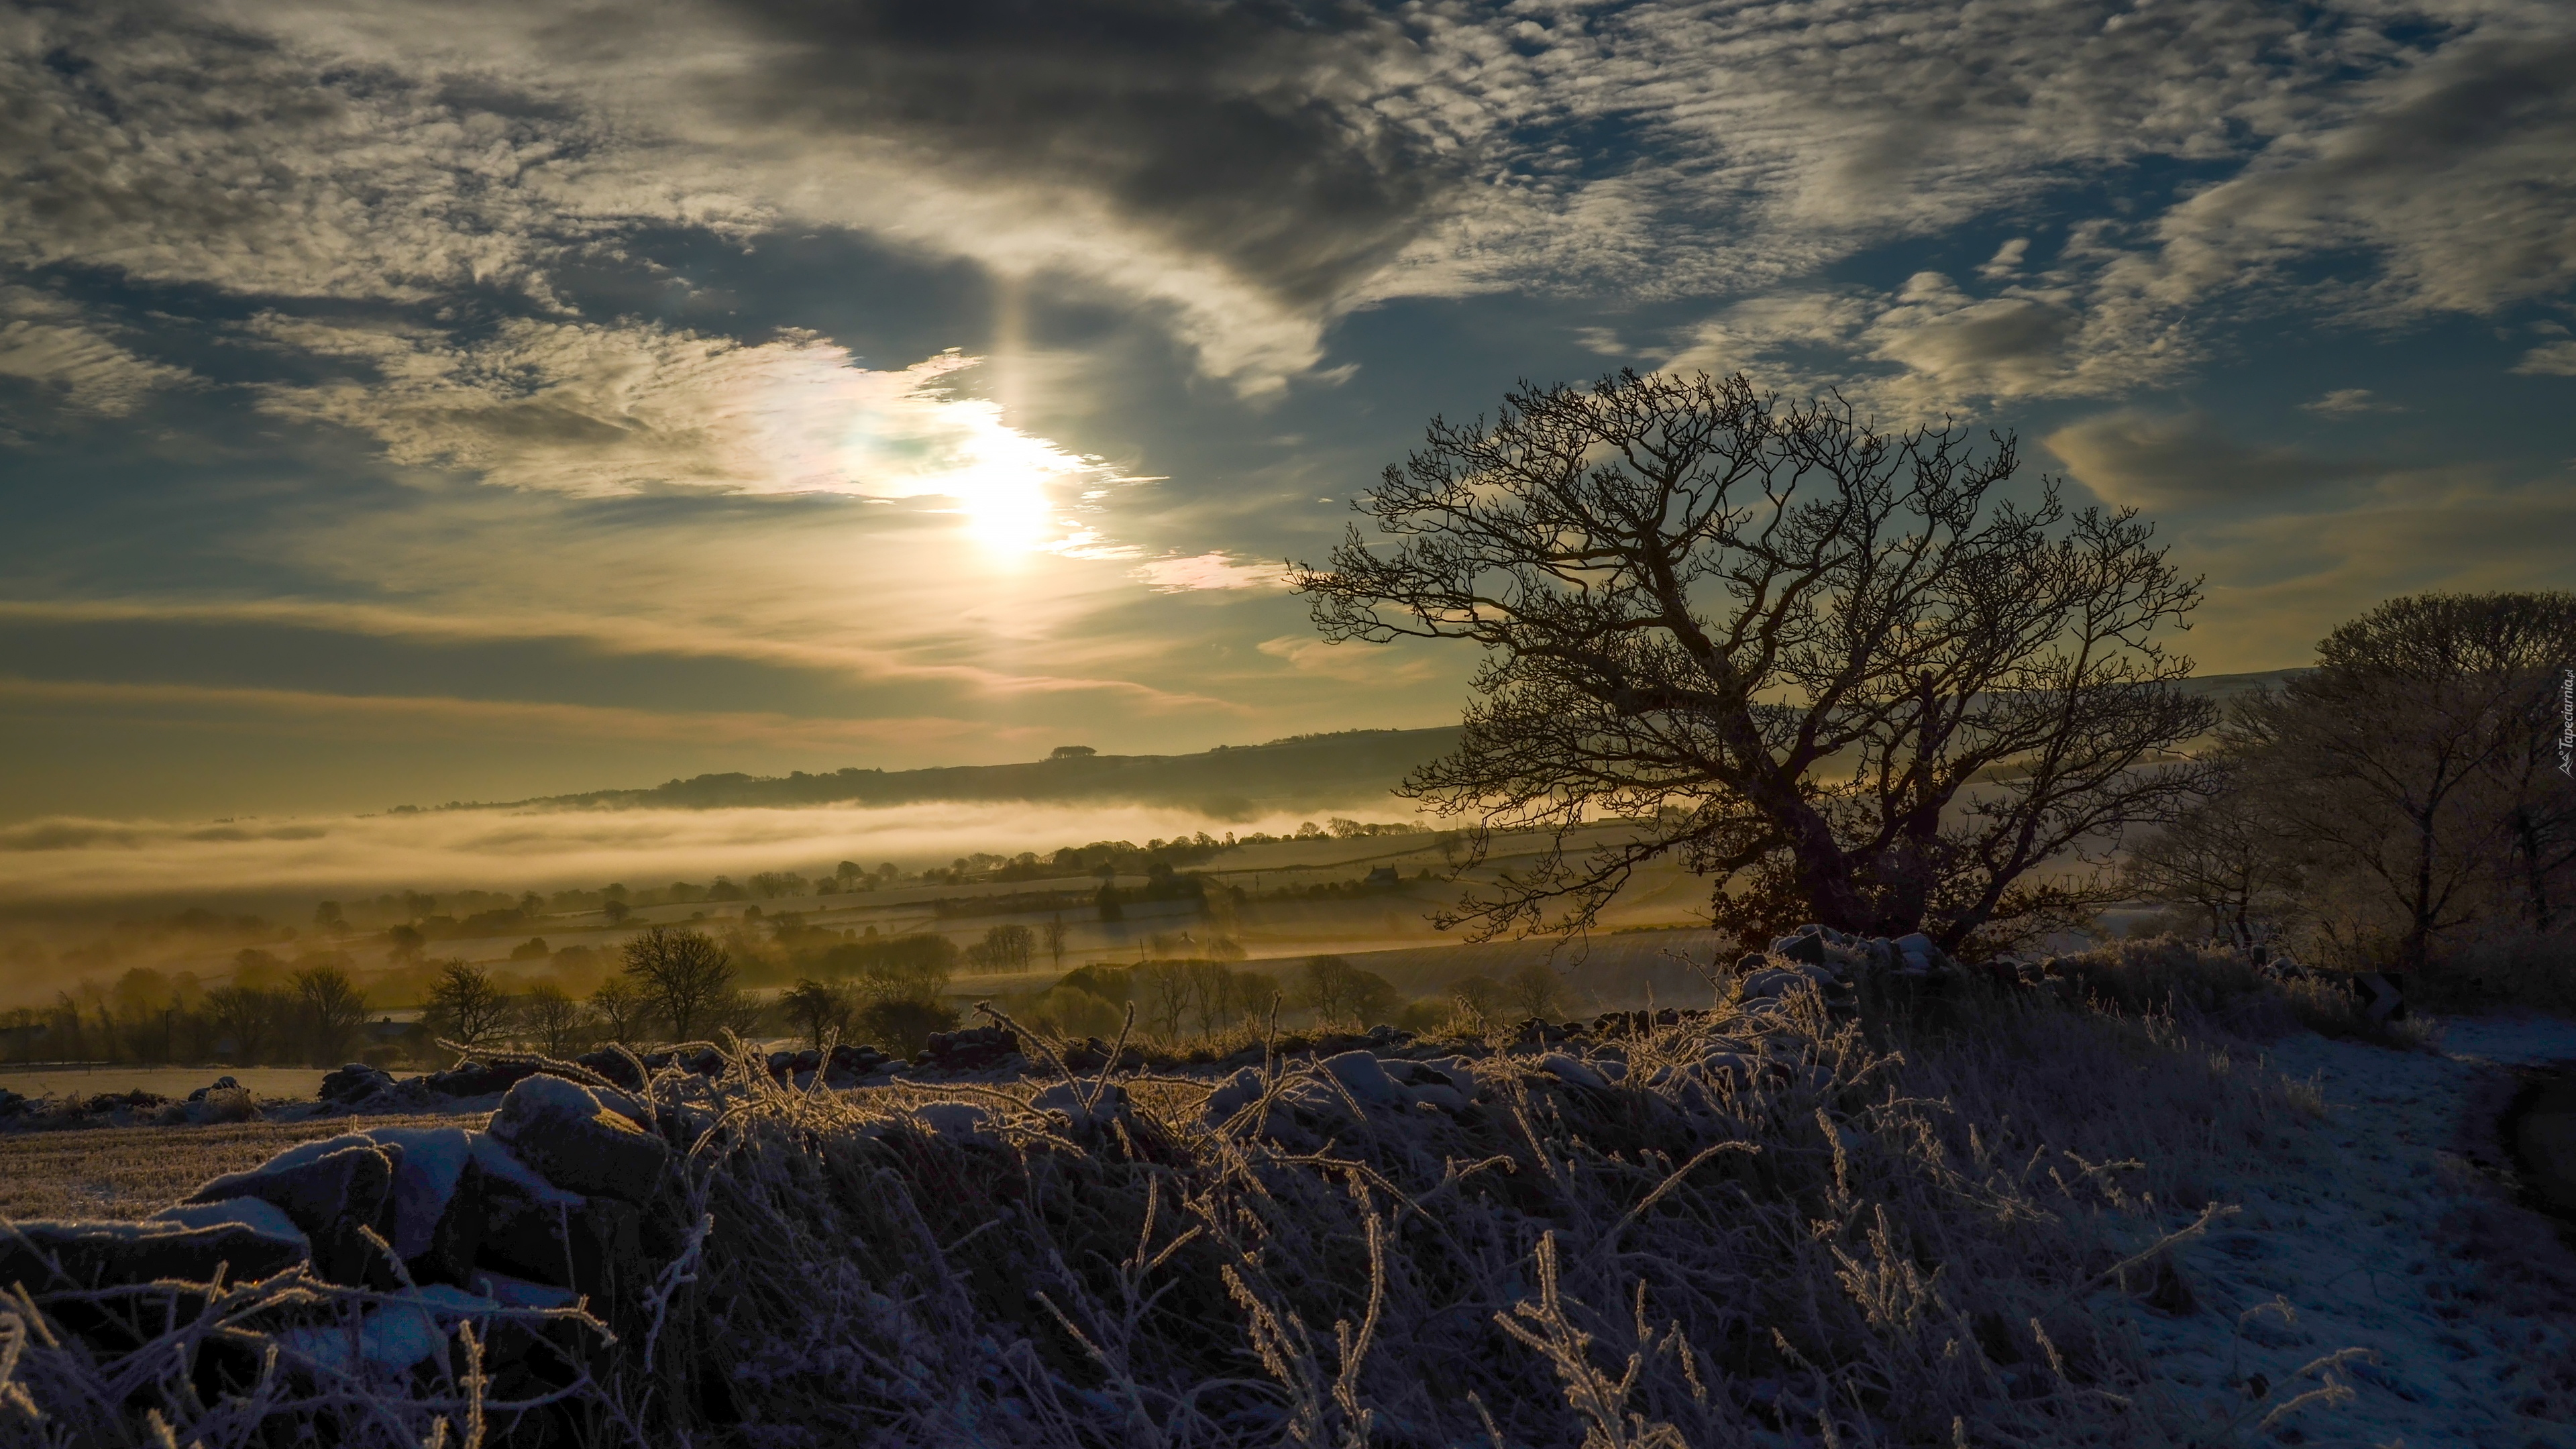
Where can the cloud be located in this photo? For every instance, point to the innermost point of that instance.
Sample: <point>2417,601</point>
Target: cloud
<point>594,410</point>
<point>1349,661</point>
<point>2550,359</point>
<point>1249,174</point>
<point>78,858</point>
<point>1217,570</point>
<point>2183,460</point>
<point>2289,577</point>
<point>2350,402</point>
<point>1925,350</point>
<point>48,341</point>
<point>416,717</point>
<point>2449,166</point>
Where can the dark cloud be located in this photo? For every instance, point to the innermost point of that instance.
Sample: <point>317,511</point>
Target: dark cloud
<point>1244,132</point>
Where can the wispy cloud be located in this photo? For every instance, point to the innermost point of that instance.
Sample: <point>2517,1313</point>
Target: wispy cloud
<point>2549,359</point>
<point>606,633</point>
<point>2350,402</point>
<point>47,340</point>
<point>1209,571</point>
<point>413,717</point>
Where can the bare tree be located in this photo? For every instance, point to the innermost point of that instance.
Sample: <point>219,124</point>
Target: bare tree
<point>1163,994</point>
<point>329,1009</point>
<point>554,1020</point>
<point>1784,645</point>
<point>684,976</point>
<point>465,1006</point>
<point>620,1007</point>
<point>819,1009</point>
<point>1537,990</point>
<point>1005,948</point>
<point>2224,857</point>
<point>2408,757</point>
<point>252,1016</point>
<point>1339,992</point>
<point>1055,936</point>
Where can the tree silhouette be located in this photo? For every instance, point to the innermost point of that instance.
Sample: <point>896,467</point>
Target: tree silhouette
<point>1786,645</point>
<point>684,975</point>
<point>464,1005</point>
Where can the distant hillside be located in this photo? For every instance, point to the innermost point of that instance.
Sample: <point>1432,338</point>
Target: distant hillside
<point>1351,769</point>
<point>1354,768</point>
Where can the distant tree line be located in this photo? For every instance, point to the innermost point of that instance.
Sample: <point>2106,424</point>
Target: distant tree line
<point>308,1012</point>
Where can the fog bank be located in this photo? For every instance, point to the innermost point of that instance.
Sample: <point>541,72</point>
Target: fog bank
<point>72,860</point>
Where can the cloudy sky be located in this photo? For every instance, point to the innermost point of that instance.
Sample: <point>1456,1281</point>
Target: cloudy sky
<point>414,402</point>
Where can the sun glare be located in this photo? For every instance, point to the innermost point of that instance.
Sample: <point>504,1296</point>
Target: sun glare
<point>1000,481</point>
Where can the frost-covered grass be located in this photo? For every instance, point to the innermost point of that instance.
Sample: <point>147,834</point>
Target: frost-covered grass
<point>1983,1221</point>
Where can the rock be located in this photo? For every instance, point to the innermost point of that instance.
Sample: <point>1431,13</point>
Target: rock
<point>425,1181</point>
<point>955,1119</point>
<point>616,1066</point>
<point>1459,1072</point>
<point>1446,1098</point>
<point>335,1198</point>
<point>222,1084</point>
<point>95,1255</point>
<point>243,1212</point>
<point>1092,1055</point>
<point>1573,1071</point>
<point>577,1141</point>
<point>479,1079</point>
<point>316,1193</point>
<point>1809,948</point>
<point>349,1085</point>
<point>1364,1078</point>
<point>523,1225</point>
<point>393,1337</point>
<point>1107,1100</point>
<point>974,1049</point>
<point>1231,1096</point>
<point>1776,982</point>
<point>1752,961</point>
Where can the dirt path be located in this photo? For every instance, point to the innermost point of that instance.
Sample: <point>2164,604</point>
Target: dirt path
<point>2382,1234</point>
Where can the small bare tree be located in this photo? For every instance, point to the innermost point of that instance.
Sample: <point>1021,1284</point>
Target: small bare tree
<point>465,1006</point>
<point>1782,644</point>
<point>329,1009</point>
<point>1537,990</point>
<point>684,975</point>
<point>620,1007</point>
<point>2225,858</point>
<point>819,1009</point>
<point>553,1020</point>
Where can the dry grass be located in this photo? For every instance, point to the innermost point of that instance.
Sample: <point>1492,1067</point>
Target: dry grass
<point>1904,1234</point>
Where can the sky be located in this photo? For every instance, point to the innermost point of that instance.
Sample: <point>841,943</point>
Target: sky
<point>406,403</point>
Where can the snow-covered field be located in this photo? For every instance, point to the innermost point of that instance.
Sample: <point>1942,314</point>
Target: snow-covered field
<point>2386,1235</point>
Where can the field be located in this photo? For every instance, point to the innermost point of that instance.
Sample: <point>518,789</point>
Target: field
<point>128,1172</point>
<point>294,1083</point>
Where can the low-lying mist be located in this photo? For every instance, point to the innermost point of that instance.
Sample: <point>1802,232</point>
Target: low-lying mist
<point>73,861</point>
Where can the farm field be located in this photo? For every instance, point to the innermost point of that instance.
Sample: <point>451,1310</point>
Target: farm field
<point>88,1081</point>
<point>128,1172</point>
